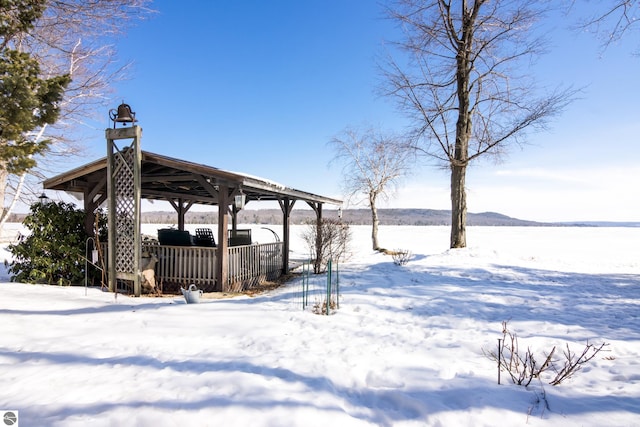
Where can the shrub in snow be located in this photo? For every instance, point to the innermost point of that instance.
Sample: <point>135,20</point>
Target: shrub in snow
<point>53,251</point>
<point>401,256</point>
<point>326,241</point>
<point>523,367</point>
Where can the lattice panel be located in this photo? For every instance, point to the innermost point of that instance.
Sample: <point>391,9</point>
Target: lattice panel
<point>123,178</point>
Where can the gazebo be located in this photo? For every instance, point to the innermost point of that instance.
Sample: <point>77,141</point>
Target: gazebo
<point>127,175</point>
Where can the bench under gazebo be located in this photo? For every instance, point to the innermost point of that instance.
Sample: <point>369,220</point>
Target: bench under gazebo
<point>127,175</point>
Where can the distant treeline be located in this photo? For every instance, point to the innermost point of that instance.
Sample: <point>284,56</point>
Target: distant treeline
<point>352,216</point>
<point>358,217</point>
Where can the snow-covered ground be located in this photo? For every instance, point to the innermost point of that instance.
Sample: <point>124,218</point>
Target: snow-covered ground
<point>404,349</point>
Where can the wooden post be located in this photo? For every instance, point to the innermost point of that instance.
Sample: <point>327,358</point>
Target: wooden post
<point>286,205</point>
<point>89,216</point>
<point>181,209</point>
<point>319,238</point>
<point>234,218</point>
<point>317,208</point>
<point>111,217</point>
<point>222,263</point>
<point>137,201</point>
<point>180,215</point>
<point>124,182</point>
<point>91,204</point>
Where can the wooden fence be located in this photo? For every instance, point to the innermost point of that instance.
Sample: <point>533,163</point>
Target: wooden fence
<point>184,265</point>
<point>250,265</point>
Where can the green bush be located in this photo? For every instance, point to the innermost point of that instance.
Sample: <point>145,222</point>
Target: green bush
<point>53,252</point>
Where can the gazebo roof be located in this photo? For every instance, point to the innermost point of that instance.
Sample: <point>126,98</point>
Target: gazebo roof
<point>167,178</point>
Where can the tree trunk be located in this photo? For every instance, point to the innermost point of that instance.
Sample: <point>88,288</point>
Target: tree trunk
<point>463,133</point>
<point>374,222</point>
<point>3,186</point>
<point>458,207</point>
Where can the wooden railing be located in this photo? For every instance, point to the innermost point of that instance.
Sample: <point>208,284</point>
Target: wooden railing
<point>252,264</point>
<point>249,265</point>
<point>185,265</point>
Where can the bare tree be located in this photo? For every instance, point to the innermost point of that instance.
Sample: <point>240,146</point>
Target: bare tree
<point>610,20</point>
<point>373,163</point>
<point>74,37</point>
<point>465,84</point>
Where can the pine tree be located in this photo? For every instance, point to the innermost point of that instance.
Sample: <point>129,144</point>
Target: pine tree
<point>27,100</point>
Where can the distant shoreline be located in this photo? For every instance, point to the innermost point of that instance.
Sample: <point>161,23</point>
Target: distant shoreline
<point>414,217</point>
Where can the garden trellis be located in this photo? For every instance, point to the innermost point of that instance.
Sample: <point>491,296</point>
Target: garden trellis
<point>321,291</point>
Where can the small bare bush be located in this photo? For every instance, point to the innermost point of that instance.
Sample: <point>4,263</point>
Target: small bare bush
<point>401,256</point>
<point>572,364</point>
<point>522,367</point>
<point>327,240</point>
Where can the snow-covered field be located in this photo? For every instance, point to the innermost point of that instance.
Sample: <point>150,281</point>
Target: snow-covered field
<point>405,348</point>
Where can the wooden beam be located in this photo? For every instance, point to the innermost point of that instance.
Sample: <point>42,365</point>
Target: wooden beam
<point>99,187</point>
<point>207,185</point>
<point>181,207</point>
<point>90,204</point>
<point>168,178</point>
<point>101,199</point>
<point>168,195</point>
<point>89,216</point>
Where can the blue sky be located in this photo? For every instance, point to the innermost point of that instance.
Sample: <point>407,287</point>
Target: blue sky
<point>261,86</point>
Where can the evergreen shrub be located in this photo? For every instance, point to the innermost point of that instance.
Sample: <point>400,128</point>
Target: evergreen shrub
<point>53,252</point>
